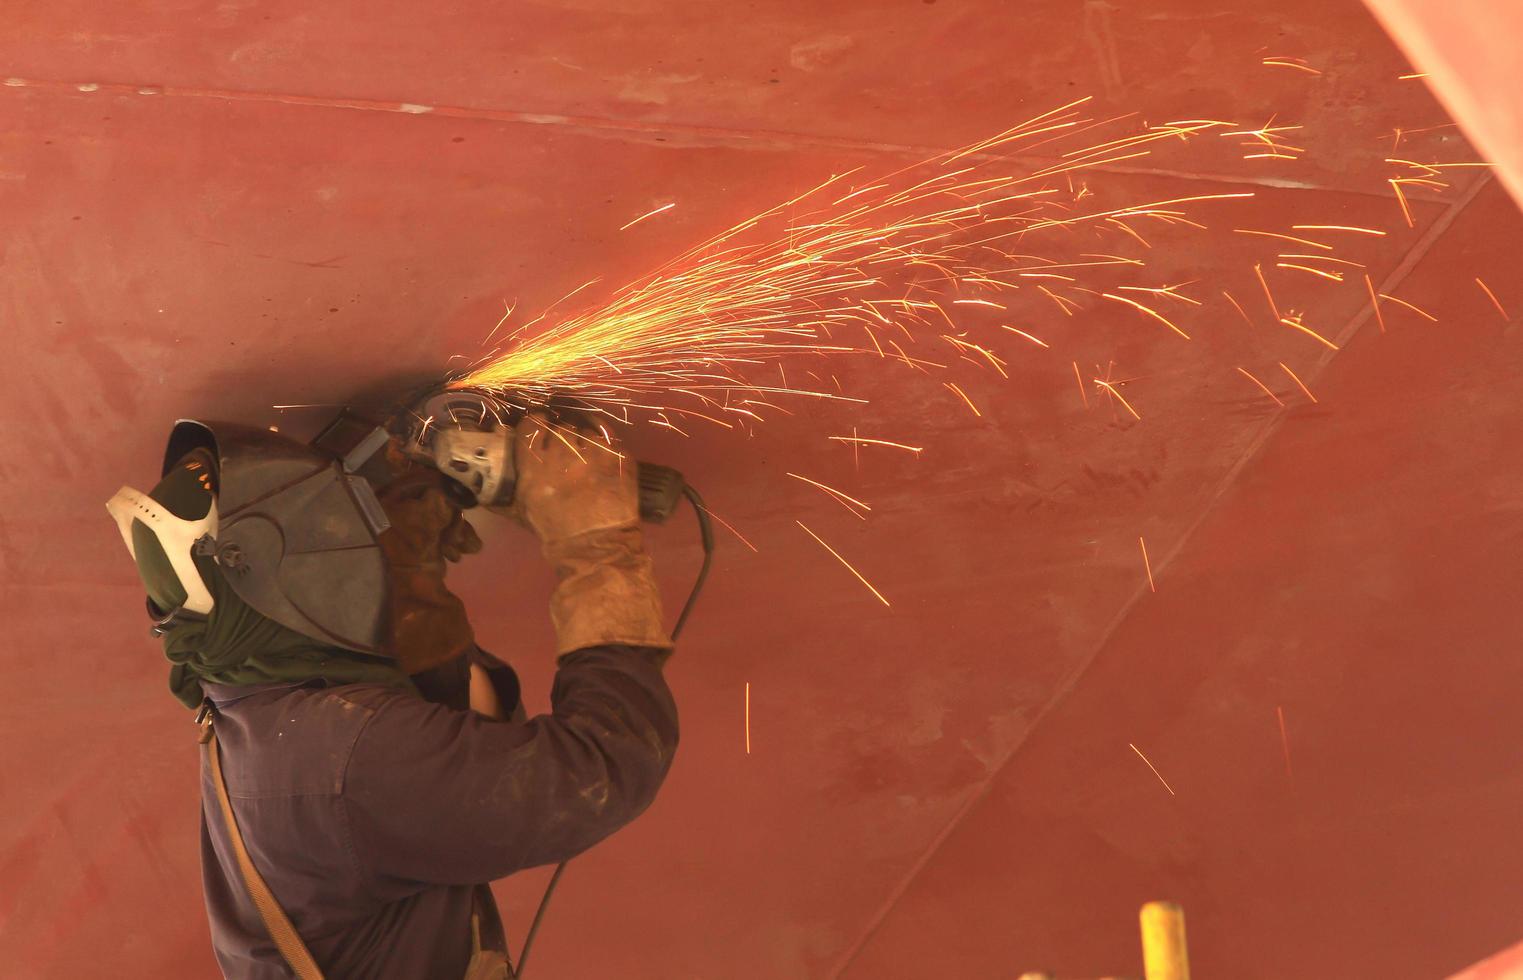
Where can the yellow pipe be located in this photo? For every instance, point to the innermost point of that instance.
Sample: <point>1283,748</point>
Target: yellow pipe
<point>1163,942</point>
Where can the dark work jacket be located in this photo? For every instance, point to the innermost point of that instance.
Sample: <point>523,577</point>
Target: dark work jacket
<point>372,813</point>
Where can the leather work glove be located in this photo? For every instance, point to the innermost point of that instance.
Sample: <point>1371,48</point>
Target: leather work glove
<point>429,625</point>
<point>581,498</point>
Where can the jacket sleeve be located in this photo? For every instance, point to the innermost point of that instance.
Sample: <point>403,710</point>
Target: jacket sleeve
<point>449,797</point>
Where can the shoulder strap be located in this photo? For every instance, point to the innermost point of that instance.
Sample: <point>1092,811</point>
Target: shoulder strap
<point>286,940</point>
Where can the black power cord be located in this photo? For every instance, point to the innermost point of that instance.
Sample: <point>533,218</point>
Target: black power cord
<point>706,534</point>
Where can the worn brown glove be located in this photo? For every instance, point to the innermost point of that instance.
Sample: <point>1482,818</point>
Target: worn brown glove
<point>580,496</point>
<point>571,480</point>
<point>429,625</point>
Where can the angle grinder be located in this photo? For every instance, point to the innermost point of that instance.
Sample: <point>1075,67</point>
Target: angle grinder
<point>468,436</point>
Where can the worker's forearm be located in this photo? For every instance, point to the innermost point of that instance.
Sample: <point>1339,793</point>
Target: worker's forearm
<point>452,797</point>
<point>610,739</point>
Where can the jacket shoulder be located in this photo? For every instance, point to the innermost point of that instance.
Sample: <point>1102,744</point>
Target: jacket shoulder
<point>298,744</point>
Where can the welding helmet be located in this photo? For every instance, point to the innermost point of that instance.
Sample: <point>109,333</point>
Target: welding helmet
<point>292,528</point>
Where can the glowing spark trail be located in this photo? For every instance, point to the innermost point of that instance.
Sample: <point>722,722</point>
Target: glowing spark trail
<point>1117,395</point>
<point>1288,238</point>
<point>963,395</point>
<point>1155,770</point>
<point>846,501</point>
<point>748,717</point>
<point>1375,304</point>
<point>837,556</point>
<point>877,442</point>
<point>1149,311</point>
<point>1415,309</point>
<point>1147,565</point>
<point>1034,340</point>
<point>1262,387</point>
<point>1299,383</point>
<point>1295,324</point>
<point>1334,276</point>
<point>1273,307</point>
<point>1288,62</point>
<point>1322,258</point>
<point>1493,297</point>
<point>731,528</point>
<point>897,253</point>
<point>928,267</point>
<point>648,214</point>
<point>1401,198</point>
<point>1237,306</point>
<point>1353,228</point>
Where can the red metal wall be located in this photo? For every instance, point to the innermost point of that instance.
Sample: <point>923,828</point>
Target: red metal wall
<point>214,208</point>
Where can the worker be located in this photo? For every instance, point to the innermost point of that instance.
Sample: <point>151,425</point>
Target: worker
<point>377,763</point>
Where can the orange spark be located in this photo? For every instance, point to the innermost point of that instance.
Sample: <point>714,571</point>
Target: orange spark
<point>1401,198</point>
<point>731,528</point>
<point>1493,297</point>
<point>1415,309</point>
<point>843,561</point>
<point>1080,378</point>
<point>648,214</point>
<point>1287,62</point>
<point>1334,276</point>
<point>1322,258</point>
<point>1288,238</point>
<point>951,386</point>
<point>1237,307</point>
<point>1267,294</point>
<point>507,312</point>
<point>1147,565</point>
<point>845,500</point>
<point>1296,324</point>
<point>1262,387</point>
<point>1023,333</point>
<point>1264,136</point>
<point>877,442</point>
<point>1169,291</point>
<point>1416,74</point>
<point>1353,228</point>
<point>987,354</point>
<point>1299,382</point>
<point>1155,770</point>
<point>1126,404</point>
<point>1062,303</point>
<point>1375,303</point>
<point>1148,310</point>
<point>748,717</point>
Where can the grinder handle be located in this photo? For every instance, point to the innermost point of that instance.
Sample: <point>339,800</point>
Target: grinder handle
<point>660,491</point>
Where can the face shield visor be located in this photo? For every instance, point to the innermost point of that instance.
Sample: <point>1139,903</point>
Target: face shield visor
<point>162,530</point>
